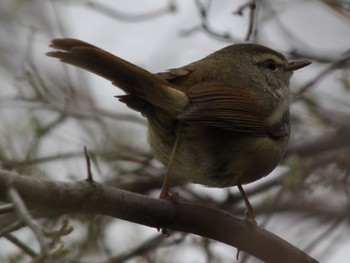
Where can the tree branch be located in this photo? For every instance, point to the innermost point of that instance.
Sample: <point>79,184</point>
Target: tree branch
<point>84,197</point>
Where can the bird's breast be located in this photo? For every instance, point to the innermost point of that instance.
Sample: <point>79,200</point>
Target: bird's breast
<point>218,158</point>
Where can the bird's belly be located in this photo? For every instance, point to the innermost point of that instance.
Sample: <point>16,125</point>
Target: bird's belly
<point>220,160</point>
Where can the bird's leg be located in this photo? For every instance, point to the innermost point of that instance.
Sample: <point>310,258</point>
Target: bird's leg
<point>164,193</point>
<point>249,214</point>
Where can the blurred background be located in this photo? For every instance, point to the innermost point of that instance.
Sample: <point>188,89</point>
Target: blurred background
<point>49,111</point>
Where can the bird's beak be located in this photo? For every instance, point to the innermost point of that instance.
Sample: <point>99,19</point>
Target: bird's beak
<point>298,64</point>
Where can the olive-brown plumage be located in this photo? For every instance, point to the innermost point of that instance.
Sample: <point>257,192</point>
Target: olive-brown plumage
<point>228,112</point>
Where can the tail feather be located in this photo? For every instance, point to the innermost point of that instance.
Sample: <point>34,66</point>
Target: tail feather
<point>127,76</point>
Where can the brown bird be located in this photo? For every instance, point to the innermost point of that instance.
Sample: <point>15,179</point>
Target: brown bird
<point>220,121</point>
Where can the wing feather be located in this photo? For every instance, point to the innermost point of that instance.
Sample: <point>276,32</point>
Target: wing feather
<point>230,108</point>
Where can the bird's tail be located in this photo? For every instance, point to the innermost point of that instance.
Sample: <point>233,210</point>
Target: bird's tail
<point>141,86</point>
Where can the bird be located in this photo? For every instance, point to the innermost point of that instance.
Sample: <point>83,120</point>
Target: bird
<point>220,121</point>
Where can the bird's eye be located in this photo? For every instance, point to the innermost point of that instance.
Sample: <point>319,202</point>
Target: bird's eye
<point>270,64</point>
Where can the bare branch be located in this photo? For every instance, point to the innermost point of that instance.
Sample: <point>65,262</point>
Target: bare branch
<point>205,25</point>
<point>252,5</point>
<point>83,197</point>
<point>24,247</point>
<point>342,62</point>
<point>325,142</point>
<point>113,13</point>
<point>8,208</point>
<point>145,247</point>
<point>24,214</point>
<point>88,166</point>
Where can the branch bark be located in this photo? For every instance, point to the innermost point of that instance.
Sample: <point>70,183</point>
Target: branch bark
<point>84,197</point>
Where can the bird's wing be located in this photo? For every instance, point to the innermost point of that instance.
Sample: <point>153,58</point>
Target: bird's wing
<point>234,109</point>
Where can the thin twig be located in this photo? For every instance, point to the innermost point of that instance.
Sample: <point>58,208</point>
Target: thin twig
<point>205,26</point>
<point>24,214</point>
<point>252,5</point>
<point>335,65</point>
<point>26,249</point>
<point>88,166</point>
<point>145,247</point>
<point>137,156</point>
<point>7,208</point>
<point>12,227</point>
<point>119,15</point>
<point>325,233</point>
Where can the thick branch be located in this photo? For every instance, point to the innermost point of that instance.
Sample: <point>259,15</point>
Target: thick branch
<point>84,197</point>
